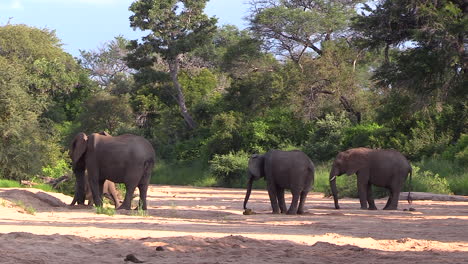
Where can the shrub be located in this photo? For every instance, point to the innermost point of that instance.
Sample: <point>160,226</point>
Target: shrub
<point>180,173</point>
<point>368,135</point>
<point>427,181</point>
<point>326,139</point>
<point>59,169</point>
<point>459,151</point>
<point>230,170</point>
<point>105,210</point>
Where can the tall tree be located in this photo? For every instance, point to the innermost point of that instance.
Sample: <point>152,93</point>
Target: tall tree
<point>35,77</point>
<point>175,27</point>
<point>106,65</point>
<point>433,65</point>
<point>295,27</point>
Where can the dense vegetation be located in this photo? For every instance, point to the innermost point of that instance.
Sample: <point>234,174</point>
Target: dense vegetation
<point>321,76</point>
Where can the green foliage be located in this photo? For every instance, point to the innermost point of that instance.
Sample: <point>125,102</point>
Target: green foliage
<point>225,134</point>
<point>427,181</point>
<point>365,135</point>
<point>9,184</point>
<point>197,86</point>
<point>27,208</point>
<point>105,112</point>
<point>326,138</point>
<point>110,211</point>
<point>61,168</point>
<point>36,77</point>
<point>459,151</point>
<point>192,173</point>
<point>456,173</point>
<point>230,169</point>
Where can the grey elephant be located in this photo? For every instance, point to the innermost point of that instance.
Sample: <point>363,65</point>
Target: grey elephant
<point>282,170</point>
<point>108,190</point>
<point>380,167</point>
<point>127,159</point>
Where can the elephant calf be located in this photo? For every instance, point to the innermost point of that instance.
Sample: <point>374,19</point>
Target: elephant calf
<point>381,167</point>
<point>108,191</point>
<point>282,170</point>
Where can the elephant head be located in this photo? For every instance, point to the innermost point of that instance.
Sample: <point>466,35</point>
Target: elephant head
<point>256,170</point>
<point>77,152</point>
<point>348,162</point>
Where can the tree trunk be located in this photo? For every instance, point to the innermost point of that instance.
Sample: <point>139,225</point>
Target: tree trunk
<point>174,71</point>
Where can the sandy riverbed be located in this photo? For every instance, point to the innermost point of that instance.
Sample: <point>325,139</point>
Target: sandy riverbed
<point>206,225</point>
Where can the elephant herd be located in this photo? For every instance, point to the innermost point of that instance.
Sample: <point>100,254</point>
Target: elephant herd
<point>100,160</point>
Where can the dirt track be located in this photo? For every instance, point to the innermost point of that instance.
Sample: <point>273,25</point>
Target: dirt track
<point>206,225</point>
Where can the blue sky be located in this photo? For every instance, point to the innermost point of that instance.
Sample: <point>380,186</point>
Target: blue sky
<point>87,24</point>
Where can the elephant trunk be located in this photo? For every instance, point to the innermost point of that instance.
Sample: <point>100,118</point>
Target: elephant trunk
<point>333,188</point>
<point>79,187</point>
<point>249,190</point>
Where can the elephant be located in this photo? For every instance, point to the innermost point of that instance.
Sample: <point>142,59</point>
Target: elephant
<point>291,170</point>
<point>381,167</point>
<point>127,159</point>
<point>109,191</point>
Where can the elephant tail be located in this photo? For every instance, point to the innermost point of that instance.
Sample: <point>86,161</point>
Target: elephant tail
<point>147,167</point>
<point>410,187</point>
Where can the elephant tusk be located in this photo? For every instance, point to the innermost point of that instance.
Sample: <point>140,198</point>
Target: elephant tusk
<point>333,178</point>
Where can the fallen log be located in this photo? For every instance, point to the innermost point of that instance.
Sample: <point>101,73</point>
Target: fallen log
<point>433,196</point>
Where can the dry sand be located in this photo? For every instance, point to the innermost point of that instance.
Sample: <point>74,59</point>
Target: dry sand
<point>206,225</point>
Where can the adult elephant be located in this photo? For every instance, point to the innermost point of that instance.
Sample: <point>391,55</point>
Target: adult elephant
<point>282,170</point>
<point>380,167</point>
<point>108,190</point>
<point>126,159</point>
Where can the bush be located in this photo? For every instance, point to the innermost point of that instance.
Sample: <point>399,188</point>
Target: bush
<point>59,169</point>
<point>455,173</point>
<point>230,170</point>
<point>181,173</point>
<point>459,151</point>
<point>427,181</point>
<point>326,139</point>
<point>369,135</point>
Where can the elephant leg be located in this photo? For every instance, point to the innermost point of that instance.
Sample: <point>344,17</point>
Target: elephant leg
<point>295,199</point>
<point>362,185</point>
<point>362,190</point>
<point>281,201</point>
<point>392,203</point>
<point>370,198</point>
<point>143,188</point>
<point>95,187</point>
<point>300,209</point>
<point>273,198</point>
<point>127,202</point>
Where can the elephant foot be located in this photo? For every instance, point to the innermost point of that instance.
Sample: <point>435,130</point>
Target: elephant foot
<point>300,212</point>
<point>291,212</point>
<point>391,208</point>
<point>372,208</point>
<point>122,207</point>
<point>363,208</point>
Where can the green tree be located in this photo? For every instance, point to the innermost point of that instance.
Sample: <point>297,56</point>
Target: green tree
<point>432,66</point>
<point>107,65</point>
<point>36,76</point>
<point>295,27</point>
<point>176,28</point>
<point>106,112</point>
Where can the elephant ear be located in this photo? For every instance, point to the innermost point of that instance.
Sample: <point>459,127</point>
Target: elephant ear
<point>355,159</point>
<point>104,133</point>
<point>256,166</point>
<point>78,148</point>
